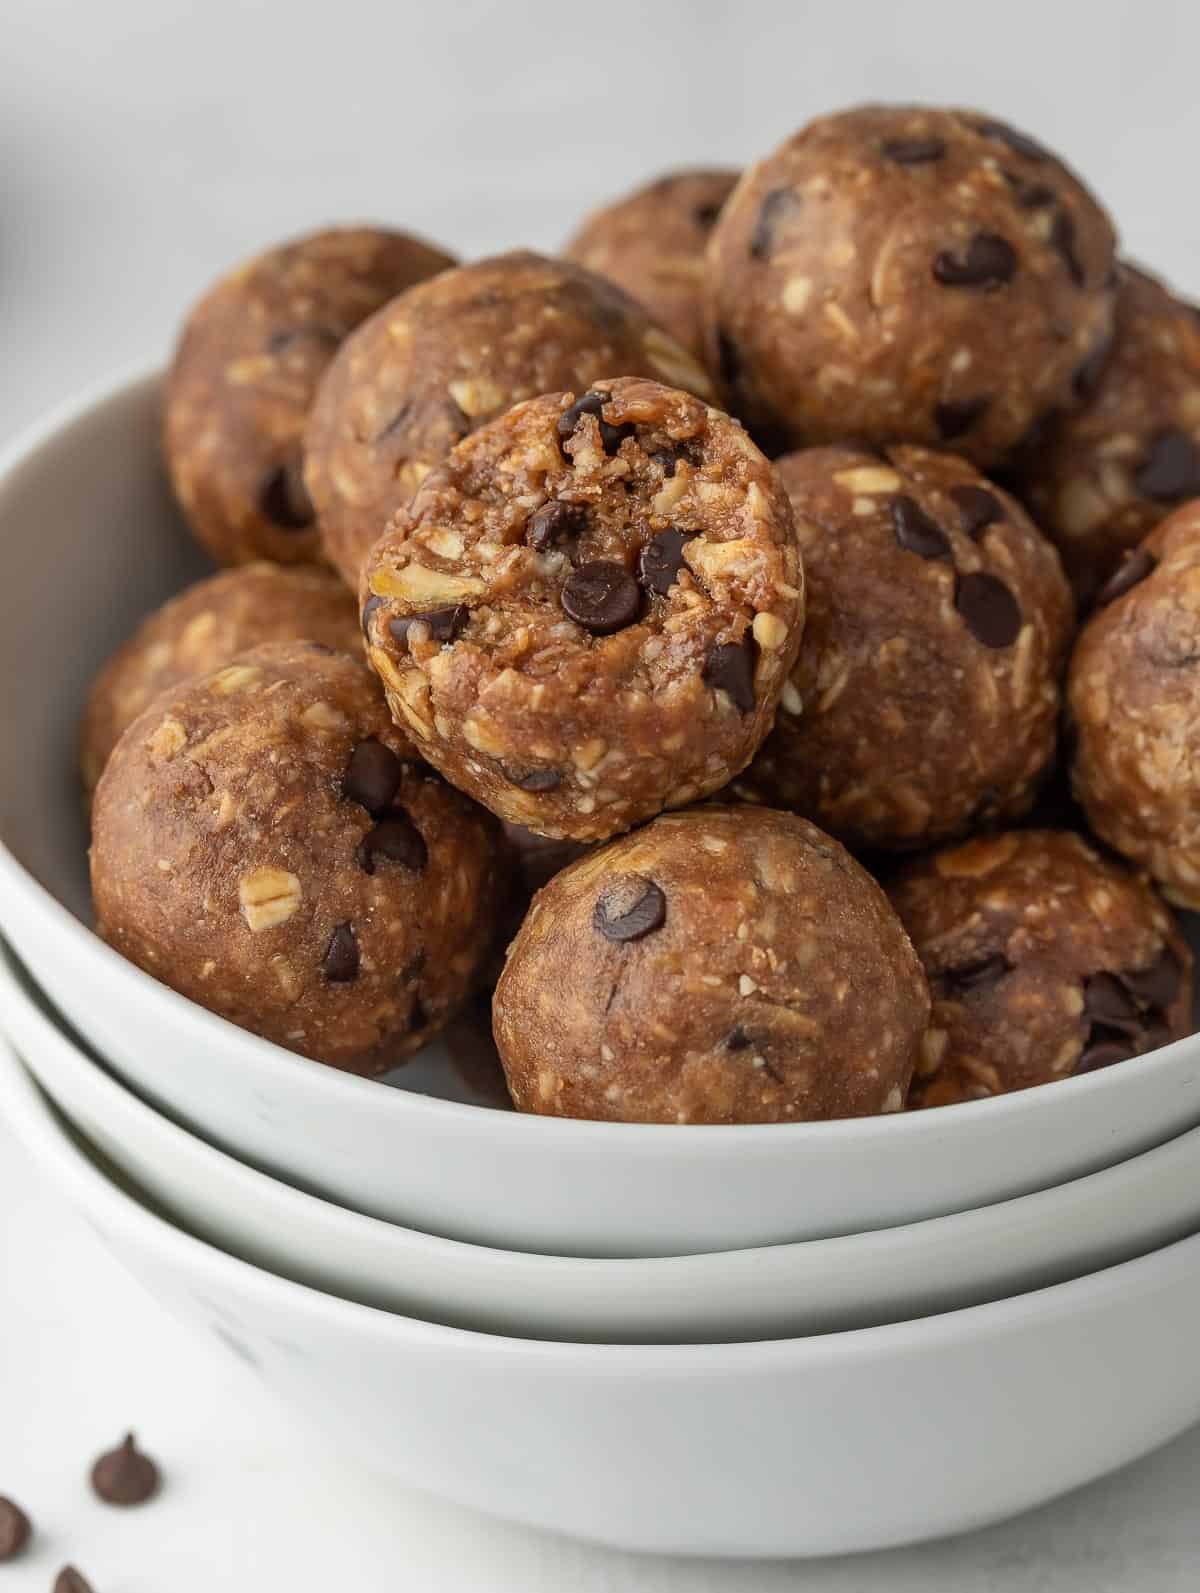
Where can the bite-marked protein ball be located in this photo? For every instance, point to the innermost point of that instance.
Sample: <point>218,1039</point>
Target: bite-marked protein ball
<point>203,628</point>
<point>588,612</point>
<point>924,699</point>
<point>264,843</point>
<point>1135,708</point>
<point>1102,477</point>
<point>900,273</point>
<point>727,965</point>
<point>1044,961</point>
<point>451,355</point>
<point>652,243</point>
<point>243,377</point>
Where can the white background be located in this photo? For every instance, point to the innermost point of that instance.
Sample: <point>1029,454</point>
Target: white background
<point>145,145</point>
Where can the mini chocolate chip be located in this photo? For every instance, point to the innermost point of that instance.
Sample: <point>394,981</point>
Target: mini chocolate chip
<point>729,667</point>
<point>536,779</point>
<point>1062,238</point>
<point>988,261</point>
<point>1171,470</point>
<point>661,560</point>
<point>444,624</point>
<point>373,776</point>
<point>705,216</point>
<point>284,499</point>
<point>1102,1048</point>
<point>989,610</point>
<point>629,907</point>
<point>1106,1000</point>
<point>328,336</point>
<point>737,1039</point>
<point>556,526</point>
<point>1032,196</point>
<point>15,1529</point>
<point>69,1580</point>
<point>1156,985</point>
<point>916,532</point>
<point>601,596</point>
<point>611,437</point>
<point>1090,371</point>
<point>395,423</point>
<point>397,840</point>
<point>981,974</point>
<point>1129,573</point>
<point>952,420</point>
<point>913,151</point>
<point>728,360</point>
<point>340,963</point>
<point>124,1476</point>
<point>978,507</point>
<point>1018,141</point>
<point>368,609</point>
<point>775,208</point>
<point>418,1016</point>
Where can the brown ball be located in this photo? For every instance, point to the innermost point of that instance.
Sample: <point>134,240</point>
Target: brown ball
<point>1044,961</point>
<point>204,627</point>
<point>924,699</point>
<point>900,273</point>
<point>652,243</point>
<point>725,965</point>
<point>264,843</point>
<point>452,355</point>
<point>244,373</point>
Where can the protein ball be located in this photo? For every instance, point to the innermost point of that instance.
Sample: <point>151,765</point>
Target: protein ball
<point>203,628</point>
<point>727,965</point>
<point>900,273</point>
<point>1135,708</point>
<point>451,355</point>
<point>1043,960</point>
<point>248,362</point>
<point>1100,479</point>
<point>652,243</point>
<point>587,614</point>
<point>264,843</point>
<point>924,699</point>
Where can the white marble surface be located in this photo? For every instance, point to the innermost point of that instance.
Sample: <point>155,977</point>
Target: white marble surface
<point>144,144</point>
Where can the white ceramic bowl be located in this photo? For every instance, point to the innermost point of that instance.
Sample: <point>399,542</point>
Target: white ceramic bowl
<point>783,1291</point>
<point>798,1446</point>
<point>89,542</point>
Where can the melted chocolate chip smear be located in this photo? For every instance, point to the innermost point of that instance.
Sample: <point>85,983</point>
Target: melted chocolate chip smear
<point>1131,572</point>
<point>601,596</point>
<point>629,907</point>
<point>988,261</point>
<point>989,610</point>
<point>340,962</point>
<point>729,667</point>
<point>978,507</point>
<point>284,499</point>
<point>373,776</point>
<point>661,560</point>
<point>916,532</point>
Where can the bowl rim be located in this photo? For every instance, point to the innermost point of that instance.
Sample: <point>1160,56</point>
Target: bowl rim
<point>31,1119</point>
<point>170,1009</point>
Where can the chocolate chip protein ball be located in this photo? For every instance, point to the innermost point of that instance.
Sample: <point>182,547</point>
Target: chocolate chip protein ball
<point>1135,708</point>
<point>244,374</point>
<point>899,273</point>
<point>1102,478</point>
<point>264,843</point>
<point>1043,960</point>
<point>727,965</point>
<point>203,628</point>
<point>452,355</point>
<point>924,699</point>
<point>652,244</point>
<point>588,612</point>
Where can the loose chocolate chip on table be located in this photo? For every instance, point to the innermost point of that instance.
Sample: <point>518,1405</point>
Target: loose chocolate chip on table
<point>1106,1000</point>
<point>1128,574</point>
<point>1062,238</point>
<point>661,560</point>
<point>913,151</point>
<point>978,975</point>
<point>1156,985</point>
<point>396,839</point>
<point>601,596</point>
<point>373,776</point>
<point>952,420</point>
<point>15,1530</point>
<point>775,208</point>
<point>285,500</point>
<point>368,609</point>
<point>629,907</point>
<point>1171,470</point>
<point>737,1039</point>
<point>556,525</point>
<point>536,779</point>
<point>444,623</point>
<point>125,1476</point>
<point>69,1580</point>
<point>978,507</point>
<point>729,667</point>
<point>988,261</point>
<point>916,532</point>
<point>989,610</point>
<point>1020,142</point>
<point>1102,1048</point>
<point>1090,371</point>
<point>611,436</point>
<point>340,963</point>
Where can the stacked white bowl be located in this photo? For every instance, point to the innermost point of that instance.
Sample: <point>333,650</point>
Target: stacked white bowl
<point>792,1339</point>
